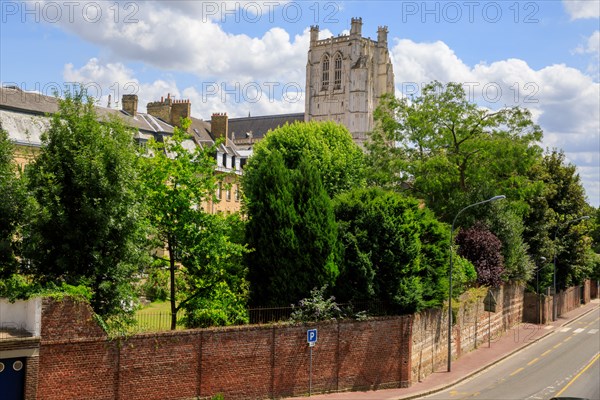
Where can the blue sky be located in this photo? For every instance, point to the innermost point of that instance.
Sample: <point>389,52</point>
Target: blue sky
<point>245,57</point>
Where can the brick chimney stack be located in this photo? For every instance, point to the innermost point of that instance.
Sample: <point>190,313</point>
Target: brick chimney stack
<point>180,109</point>
<point>129,104</point>
<point>161,109</point>
<point>219,126</point>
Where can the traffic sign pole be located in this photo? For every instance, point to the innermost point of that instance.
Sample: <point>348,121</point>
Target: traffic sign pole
<point>310,374</point>
<point>311,338</point>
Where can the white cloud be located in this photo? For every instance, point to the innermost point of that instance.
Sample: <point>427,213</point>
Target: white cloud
<point>185,37</point>
<point>233,97</point>
<point>579,9</point>
<point>591,46</point>
<point>564,101</point>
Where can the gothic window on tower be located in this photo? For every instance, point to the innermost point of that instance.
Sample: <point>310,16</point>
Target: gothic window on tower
<point>325,69</point>
<point>337,72</point>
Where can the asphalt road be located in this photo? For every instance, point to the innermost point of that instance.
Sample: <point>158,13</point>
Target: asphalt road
<point>565,364</point>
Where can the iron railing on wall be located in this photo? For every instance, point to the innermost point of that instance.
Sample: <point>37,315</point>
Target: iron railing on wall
<point>161,321</point>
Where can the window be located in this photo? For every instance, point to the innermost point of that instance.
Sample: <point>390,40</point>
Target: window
<point>237,193</point>
<point>219,191</point>
<point>233,162</point>
<point>225,160</point>
<point>337,72</point>
<point>228,194</point>
<point>325,72</point>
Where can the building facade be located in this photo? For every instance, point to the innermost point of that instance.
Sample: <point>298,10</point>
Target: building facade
<point>345,78</point>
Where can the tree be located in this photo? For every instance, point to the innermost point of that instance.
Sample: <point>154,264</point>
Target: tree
<point>480,246</point>
<point>571,244</point>
<point>12,203</point>
<point>393,251</point>
<point>450,152</point>
<point>327,145</point>
<point>178,182</point>
<point>86,226</point>
<point>216,291</point>
<point>291,229</point>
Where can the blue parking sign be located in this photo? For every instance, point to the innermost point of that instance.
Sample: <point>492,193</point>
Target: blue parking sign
<point>311,336</point>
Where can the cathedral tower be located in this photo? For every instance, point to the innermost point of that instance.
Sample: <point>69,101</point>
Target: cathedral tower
<point>346,76</point>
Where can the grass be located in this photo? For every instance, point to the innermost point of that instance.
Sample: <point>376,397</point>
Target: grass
<point>155,317</point>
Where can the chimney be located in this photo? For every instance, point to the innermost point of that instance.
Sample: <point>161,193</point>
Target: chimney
<point>219,126</point>
<point>129,103</point>
<point>161,109</point>
<point>356,27</point>
<point>180,109</point>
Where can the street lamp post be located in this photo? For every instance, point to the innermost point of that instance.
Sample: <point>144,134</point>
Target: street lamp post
<point>554,311</point>
<point>537,288</point>
<point>450,276</point>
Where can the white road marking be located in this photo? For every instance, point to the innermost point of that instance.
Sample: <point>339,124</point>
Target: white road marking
<point>578,330</point>
<point>592,331</point>
<point>565,330</point>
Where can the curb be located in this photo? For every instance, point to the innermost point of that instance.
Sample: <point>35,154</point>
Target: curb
<point>487,366</point>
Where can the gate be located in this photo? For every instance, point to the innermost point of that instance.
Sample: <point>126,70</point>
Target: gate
<point>12,378</point>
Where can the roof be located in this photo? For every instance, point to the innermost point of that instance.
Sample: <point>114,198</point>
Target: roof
<point>36,104</point>
<point>257,127</point>
<point>200,131</point>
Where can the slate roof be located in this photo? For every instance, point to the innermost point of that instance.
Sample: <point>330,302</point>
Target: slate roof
<point>255,128</point>
<point>200,131</point>
<point>14,99</point>
<point>25,116</point>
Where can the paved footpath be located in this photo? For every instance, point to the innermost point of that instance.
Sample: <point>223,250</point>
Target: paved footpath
<point>470,363</point>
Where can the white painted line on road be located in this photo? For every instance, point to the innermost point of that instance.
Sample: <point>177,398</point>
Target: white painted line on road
<point>565,329</point>
<point>592,331</point>
<point>578,330</point>
<point>548,327</point>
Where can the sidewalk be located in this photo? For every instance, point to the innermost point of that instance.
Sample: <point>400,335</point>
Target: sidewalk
<point>470,363</point>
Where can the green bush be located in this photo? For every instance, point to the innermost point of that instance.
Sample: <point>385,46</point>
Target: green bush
<point>316,308</point>
<point>156,286</point>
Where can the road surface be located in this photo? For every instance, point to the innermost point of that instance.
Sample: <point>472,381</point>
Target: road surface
<point>565,364</point>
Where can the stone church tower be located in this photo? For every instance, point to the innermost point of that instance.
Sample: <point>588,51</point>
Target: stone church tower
<point>346,76</point>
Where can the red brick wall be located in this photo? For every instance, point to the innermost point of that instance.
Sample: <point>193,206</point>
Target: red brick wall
<point>570,298</point>
<point>237,362</point>
<point>470,330</point>
<point>241,362</point>
<point>587,291</point>
<point>77,370</point>
<point>594,292</point>
<point>68,319</point>
<point>158,367</point>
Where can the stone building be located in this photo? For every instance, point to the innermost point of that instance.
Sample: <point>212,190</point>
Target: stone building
<point>25,116</point>
<point>346,76</point>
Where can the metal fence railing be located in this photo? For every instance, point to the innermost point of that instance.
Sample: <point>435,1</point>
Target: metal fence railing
<point>157,321</point>
<point>161,321</point>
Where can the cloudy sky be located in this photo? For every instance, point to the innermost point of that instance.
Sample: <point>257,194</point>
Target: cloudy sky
<point>244,57</point>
